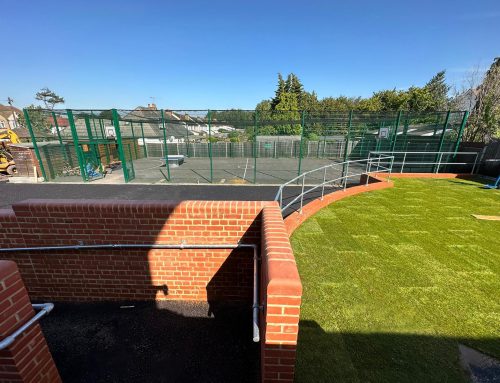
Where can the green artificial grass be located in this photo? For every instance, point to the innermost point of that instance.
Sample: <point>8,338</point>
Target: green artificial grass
<point>395,279</point>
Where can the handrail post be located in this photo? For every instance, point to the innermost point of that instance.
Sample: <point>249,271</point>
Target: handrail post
<point>323,186</point>
<point>346,174</point>
<point>403,164</point>
<point>475,162</point>
<point>390,169</point>
<point>369,166</point>
<point>302,194</point>
<point>281,198</point>
<point>439,162</point>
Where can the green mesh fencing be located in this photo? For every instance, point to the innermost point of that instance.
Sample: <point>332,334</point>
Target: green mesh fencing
<point>224,146</point>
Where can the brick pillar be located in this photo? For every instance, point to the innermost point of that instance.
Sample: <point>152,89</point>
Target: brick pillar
<point>282,295</point>
<point>28,359</point>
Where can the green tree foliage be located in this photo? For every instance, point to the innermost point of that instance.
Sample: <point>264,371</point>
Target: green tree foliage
<point>438,92</point>
<point>49,98</point>
<point>40,120</point>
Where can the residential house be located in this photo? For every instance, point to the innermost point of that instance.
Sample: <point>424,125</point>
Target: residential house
<point>9,117</point>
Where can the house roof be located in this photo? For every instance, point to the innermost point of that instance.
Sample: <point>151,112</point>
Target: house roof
<point>6,110</point>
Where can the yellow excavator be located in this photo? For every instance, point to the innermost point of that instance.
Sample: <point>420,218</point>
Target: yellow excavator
<point>7,164</point>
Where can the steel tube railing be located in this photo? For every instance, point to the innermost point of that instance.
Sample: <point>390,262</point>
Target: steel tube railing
<point>181,246</point>
<point>44,308</point>
<point>343,179</point>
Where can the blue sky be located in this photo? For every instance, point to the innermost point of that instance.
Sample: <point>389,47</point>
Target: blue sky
<point>224,54</point>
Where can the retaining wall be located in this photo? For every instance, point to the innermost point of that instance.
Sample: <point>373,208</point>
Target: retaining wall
<point>123,274</point>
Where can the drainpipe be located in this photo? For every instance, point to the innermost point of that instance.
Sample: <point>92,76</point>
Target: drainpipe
<point>181,246</point>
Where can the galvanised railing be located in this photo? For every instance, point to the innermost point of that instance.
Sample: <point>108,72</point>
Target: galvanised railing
<point>421,159</point>
<point>381,163</point>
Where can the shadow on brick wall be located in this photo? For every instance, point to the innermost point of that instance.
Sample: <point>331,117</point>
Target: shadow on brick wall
<point>154,339</point>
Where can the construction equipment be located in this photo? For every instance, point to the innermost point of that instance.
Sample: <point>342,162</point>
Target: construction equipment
<point>7,164</point>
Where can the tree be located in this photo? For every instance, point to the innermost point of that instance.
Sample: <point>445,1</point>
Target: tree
<point>49,98</point>
<point>484,121</point>
<point>39,119</point>
<point>279,90</point>
<point>438,91</point>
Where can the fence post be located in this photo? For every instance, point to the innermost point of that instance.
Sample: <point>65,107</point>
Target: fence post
<point>76,141</point>
<point>395,136</point>
<point>144,141</point>
<point>441,140</point>
<point>460,132</point>
<point>209,117</point>
<point>63,151</point>
<point>133,139</point>
<point>35,145</point>
<point>121,152</point>
<point>301,142</point>
<point>346,150</point>
<point>403,164</point>
<point>255,131</point>
<point>167,165</point>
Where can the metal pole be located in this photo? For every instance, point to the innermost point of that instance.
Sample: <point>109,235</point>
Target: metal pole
<point>302,194</point>
<point>323,186</point>
<point>133,140</point>
<point>461,131</point>
<point>167,165</point>
<point>395,136</point>
<point>441,140</point>
<point>390,169</point>
<point>403,164</point>
<point>61,145</point>
<point>475,162</point>
<point>346,152</point>
<point>209,117</point>
<point>76,142</point>
<point>255,131</point>
<point>44,308</point>
<point>144,141</point>
<point>301,141</point>
<point>369,165</point>
<point>121,152</point>
<point>35,145</point>
<point>255,306</point>
<point>346,175</point>
<point>439,162</point>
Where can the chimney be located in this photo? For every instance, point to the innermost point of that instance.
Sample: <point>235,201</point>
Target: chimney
<point>152,106</point>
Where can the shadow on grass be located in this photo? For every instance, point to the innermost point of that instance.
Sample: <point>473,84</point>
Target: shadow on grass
<point>385,357</point>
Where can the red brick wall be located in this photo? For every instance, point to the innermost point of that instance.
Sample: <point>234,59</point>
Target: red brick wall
<point>28,359</point>
<point>282,293</point>
<point>163,274</point>
<point>139,274</point>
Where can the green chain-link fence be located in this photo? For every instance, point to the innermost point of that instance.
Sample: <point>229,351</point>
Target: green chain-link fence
<point>223,146</point>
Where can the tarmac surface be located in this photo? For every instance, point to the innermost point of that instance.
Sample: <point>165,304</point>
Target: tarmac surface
<point>152,342</point>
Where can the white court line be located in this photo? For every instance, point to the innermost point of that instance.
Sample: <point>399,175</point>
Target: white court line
<point>245,172</point>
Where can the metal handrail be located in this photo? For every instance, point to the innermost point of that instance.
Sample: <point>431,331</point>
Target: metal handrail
<point>255,307</point>
<point>300,179</point>
<point>44,308</point>
<point>439,159</point>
